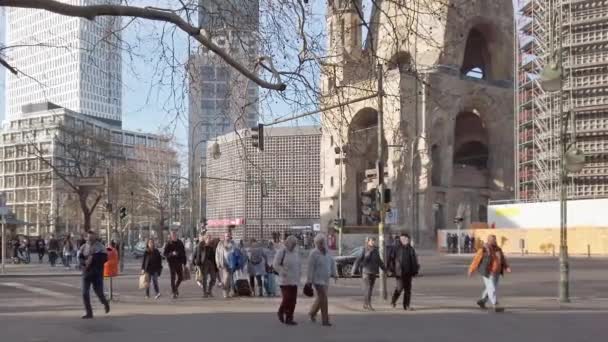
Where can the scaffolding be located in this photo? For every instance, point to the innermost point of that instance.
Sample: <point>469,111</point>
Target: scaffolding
<point>582,27</point>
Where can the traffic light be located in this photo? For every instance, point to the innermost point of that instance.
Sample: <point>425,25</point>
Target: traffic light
<point>339,223</point>
<point>369,206</point>
<point>123,212</point>
<point>257,137</point>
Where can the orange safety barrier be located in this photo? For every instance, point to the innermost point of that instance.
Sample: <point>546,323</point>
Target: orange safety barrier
<point>110,268</point>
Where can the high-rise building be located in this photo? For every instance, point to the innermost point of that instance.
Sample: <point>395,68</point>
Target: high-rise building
<point>46,134</point>
<point>220,99</point>
<point>289,167</point>
<point>72,62</point>
<point>581,29</point>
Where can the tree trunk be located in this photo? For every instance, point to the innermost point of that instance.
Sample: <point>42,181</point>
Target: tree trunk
<point>86,213</point>
<point>161,223</point>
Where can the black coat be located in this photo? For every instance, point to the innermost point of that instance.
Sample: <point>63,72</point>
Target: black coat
<point>178,247</point>
<point>404,262</point>
<point>203,253</point>
<point>152,262</point>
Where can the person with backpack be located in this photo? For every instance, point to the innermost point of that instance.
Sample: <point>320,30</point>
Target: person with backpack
<point>287,264</point>
<point>404,264</point>
<point>227,259</point>
<point>491,263</point>
<point>256,266</point>
<point>93,256</point>
<point>370,263</point>
<point>175,253</point>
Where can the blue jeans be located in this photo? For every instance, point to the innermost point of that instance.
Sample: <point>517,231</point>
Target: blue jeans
<point>490,286</point>
<point>270,284</point>
<point>96,280</point>
<point>154,281</point>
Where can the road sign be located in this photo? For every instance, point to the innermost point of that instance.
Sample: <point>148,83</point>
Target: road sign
<point>90,181</point>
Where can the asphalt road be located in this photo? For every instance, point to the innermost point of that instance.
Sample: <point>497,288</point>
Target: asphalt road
<point>47,308</point>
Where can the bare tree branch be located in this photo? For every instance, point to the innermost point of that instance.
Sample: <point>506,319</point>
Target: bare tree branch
<point>91,12</point>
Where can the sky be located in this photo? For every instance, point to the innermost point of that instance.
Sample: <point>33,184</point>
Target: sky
<point>148,106</point>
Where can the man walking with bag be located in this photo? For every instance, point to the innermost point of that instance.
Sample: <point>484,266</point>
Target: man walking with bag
<point>175,253</point>
<point>491,263</point>
<point>204,259</point>
<point>404,264</point>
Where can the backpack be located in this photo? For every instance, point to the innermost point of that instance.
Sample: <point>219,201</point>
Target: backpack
<point>235,259</point>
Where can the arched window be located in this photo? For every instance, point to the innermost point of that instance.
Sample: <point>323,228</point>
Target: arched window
<point>477,59</point>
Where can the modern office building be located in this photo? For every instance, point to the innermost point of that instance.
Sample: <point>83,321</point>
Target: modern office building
<point>72,62</point>
<point>220,99</point>
<point>42,136</point>
<point>582,32</point>
<point>289,168</point>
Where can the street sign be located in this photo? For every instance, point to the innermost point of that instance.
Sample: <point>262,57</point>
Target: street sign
<point>90,181</point>
<point>316,227</point>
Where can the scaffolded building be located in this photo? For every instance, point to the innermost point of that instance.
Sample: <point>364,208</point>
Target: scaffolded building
<point>580,28</point>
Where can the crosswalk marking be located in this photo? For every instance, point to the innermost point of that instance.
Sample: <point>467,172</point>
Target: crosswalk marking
<point>36,290</point>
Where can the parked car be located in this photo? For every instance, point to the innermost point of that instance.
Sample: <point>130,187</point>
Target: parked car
<point>344,263</point>
<point>140,248</point>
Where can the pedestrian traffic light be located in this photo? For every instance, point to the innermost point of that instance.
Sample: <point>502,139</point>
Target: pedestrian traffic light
<point>339,223</point>
<point>257,137</point>
<point>123,212</point>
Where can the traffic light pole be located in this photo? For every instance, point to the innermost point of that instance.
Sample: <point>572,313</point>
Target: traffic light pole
<point>261,204</point>
<point>380,169</point>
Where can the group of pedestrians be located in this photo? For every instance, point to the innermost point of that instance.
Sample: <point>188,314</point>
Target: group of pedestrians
<point>228,263</point>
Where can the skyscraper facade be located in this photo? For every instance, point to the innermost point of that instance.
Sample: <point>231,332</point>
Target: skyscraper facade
<point>220,99</point>
<point>72,62</point>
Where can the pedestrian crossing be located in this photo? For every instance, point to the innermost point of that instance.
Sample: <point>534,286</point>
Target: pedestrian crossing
<point>41,291</point>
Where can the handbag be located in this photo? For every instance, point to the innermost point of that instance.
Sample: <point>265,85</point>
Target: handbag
<point>199,274</point>
<point>144,281</point>
<point>186,273</point>
<point>308,291</point>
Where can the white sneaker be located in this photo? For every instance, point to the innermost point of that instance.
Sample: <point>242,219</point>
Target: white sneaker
<point>157,296</point>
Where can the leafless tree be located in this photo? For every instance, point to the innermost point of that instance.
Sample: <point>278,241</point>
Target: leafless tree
<point>77,153</point>
<point>153,175</point>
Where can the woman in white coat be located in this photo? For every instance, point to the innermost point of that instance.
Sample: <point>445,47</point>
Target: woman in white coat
<point>287,264</point>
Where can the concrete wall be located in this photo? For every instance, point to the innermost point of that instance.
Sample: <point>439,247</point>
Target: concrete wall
<point>581,213</point>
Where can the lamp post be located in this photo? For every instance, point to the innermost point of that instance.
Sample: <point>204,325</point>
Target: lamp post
<point>191,173</point>
<point>572,159</point>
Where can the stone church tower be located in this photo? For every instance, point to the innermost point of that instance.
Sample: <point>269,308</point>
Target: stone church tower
<point>448,111</point>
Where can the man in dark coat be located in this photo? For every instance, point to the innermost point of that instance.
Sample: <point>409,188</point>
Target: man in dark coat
<point>93,256</point>
<point>175,253</point>
<point>204,259</point>
<point>404,264</point>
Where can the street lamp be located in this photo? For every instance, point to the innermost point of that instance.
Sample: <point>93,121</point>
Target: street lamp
<point>572,159</point>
